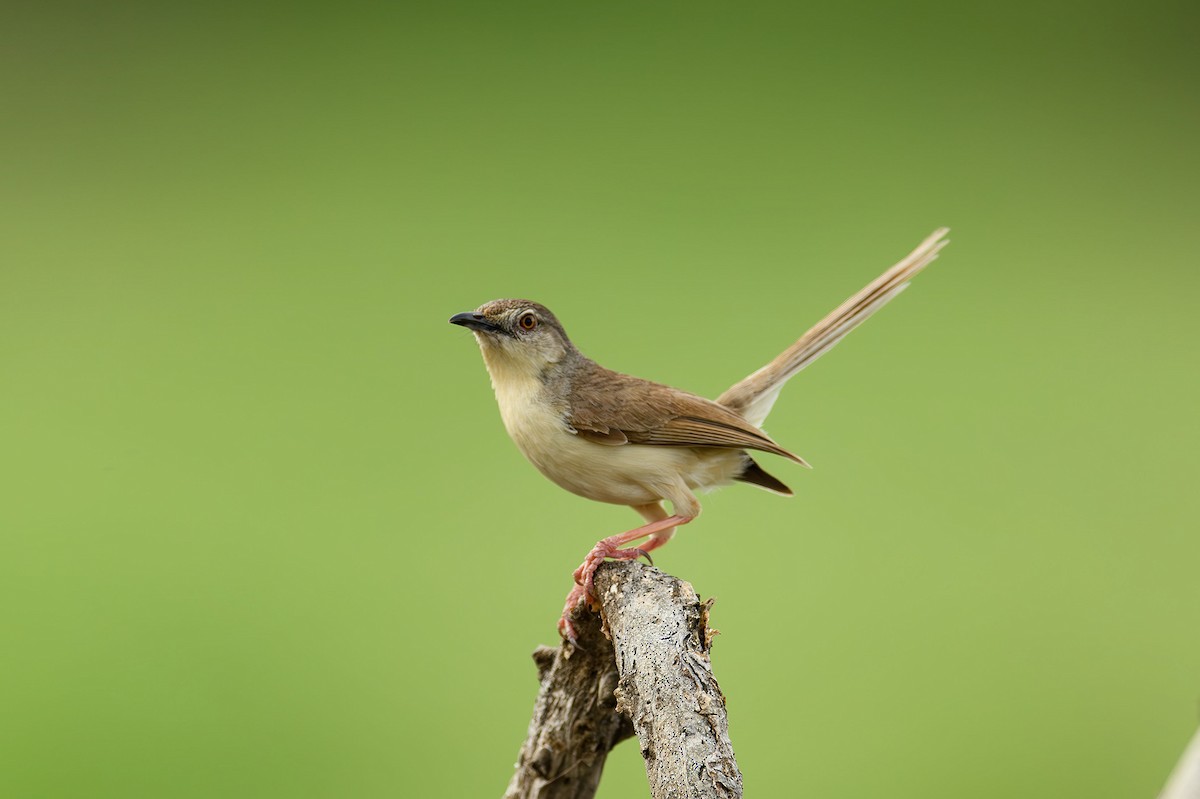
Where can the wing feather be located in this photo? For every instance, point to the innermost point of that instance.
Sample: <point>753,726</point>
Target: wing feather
<point>626,410</point>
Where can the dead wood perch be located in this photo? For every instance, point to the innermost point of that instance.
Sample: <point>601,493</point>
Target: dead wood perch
<point>650,675</point>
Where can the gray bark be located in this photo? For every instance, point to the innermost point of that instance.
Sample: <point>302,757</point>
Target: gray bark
<point>575,721</point>
<point>642,666</point>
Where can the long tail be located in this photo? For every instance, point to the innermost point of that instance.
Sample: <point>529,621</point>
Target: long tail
<point>754,396</point>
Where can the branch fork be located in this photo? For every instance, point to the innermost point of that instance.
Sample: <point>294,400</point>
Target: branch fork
<point>641,667</point>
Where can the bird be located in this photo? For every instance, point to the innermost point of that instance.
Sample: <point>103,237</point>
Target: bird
<point>619,439</point>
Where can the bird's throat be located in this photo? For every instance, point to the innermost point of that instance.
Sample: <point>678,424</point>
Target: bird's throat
<point>518,386</point>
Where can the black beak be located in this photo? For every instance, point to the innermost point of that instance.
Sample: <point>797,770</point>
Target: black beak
<point>474,321</point>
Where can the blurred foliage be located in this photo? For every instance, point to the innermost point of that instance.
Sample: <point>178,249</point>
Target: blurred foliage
<point>261,530</point>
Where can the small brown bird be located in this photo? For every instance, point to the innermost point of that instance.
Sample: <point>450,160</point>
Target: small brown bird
<point>627,441</point>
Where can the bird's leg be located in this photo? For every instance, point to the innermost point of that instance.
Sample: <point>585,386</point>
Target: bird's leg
<point>659,531</point>
<point>654,512</point>
<point>611,547</point>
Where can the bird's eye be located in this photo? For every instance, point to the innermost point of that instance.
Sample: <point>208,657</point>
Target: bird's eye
<point>528,322</point>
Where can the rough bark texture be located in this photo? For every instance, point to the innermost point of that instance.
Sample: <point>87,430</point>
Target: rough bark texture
<point>661,637</point>
<point>575,721</point>
<point>652,669</point>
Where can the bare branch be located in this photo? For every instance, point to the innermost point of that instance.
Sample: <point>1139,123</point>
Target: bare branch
<point>575,721</point>
<point>652,669</point>
<point>661,637</point>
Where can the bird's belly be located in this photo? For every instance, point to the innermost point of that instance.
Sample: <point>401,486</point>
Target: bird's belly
<point>629,474</point>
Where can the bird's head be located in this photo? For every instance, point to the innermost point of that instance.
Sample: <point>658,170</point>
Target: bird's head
<point>517,334</point>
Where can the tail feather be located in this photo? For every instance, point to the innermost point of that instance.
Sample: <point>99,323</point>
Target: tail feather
<point>756,475</point>
<point>754,396</point>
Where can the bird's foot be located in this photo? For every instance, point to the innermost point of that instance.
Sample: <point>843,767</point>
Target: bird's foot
<point>565,628</point>
<point>658,531</point>
<point>584,590</point>
<point>605,548</point>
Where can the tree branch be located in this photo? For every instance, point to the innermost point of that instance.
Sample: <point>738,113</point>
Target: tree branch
<point>644,661</point>
<point>575,721</point>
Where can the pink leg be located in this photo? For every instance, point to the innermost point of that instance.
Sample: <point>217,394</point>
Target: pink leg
<point>653,513</point>
<point>660,532</point>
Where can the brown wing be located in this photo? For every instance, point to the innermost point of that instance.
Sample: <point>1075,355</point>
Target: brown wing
<point>615,409</point>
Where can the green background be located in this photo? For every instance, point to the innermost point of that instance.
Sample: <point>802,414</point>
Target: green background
<point>262,532</point>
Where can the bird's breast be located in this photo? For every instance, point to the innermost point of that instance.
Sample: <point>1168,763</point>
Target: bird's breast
<point>537,425</point>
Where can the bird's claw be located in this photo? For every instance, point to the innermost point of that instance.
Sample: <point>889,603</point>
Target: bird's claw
<point>566,628</point>
<point>584,589</point>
